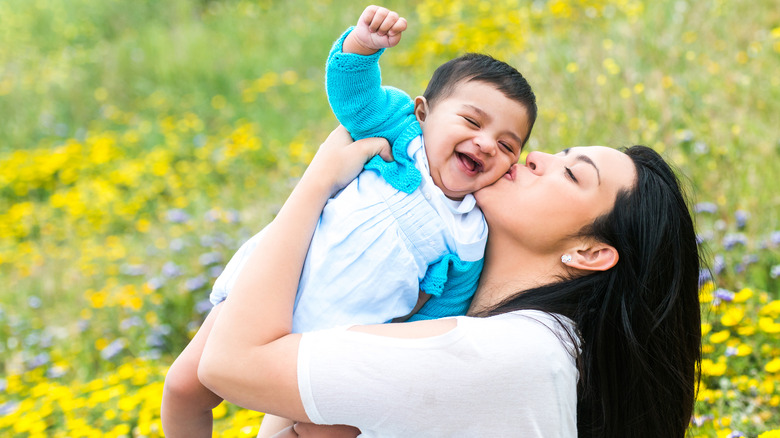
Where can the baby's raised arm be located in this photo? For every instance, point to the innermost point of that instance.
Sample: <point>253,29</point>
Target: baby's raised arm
<point>377,28</point>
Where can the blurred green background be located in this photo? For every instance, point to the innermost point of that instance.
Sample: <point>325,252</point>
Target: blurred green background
<point>141,142</point>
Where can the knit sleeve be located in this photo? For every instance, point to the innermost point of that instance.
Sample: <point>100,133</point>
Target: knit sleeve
<point>368,109</point>
<point>451,283</point>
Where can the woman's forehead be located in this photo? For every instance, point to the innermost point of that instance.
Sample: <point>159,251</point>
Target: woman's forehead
<point>615,167</point>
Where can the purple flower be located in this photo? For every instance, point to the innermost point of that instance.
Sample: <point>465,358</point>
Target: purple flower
<point>775,238</point>
<point>724,294</point>
<point>733,239</point>
<point>736,434</point>
<point>704,237</point>
<point>209,241</point>
<point>133,321</point>
<point>112,349</point>
<point>232,216</point>
<point>704,276</point>
<point>775,271</point>
<point>3,385</point>
<point>157,337</point>
<point>742,217</point>
<point>155,283</point>
<point>55,372</point>
<point>133,270</point>
<point>700,420</point>
<point>718,263</point>
<point>171,270</point>
<point>749,259</point>
<point>199,140</point>
<point>203,306</point>
<point>155,340</point>
<point>212,215</point>
<point>8,408</point>
<point>176,245</point>
<point>215,271</point>
<point>685,135</point>
<point>34,302</point>
<point>38,360</point>
<point>706,207</point>
<point>177,216</point>
<point>195,283</point>
<point>730,351</point>
<point>210,258</point>
<point>700,147</point>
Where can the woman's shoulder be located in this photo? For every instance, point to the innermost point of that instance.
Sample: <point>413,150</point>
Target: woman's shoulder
<point>529,330</point>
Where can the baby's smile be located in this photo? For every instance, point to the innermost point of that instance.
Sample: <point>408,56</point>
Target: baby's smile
<point>472,164</point>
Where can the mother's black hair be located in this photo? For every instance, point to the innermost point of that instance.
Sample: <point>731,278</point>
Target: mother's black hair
<point>639,322</point>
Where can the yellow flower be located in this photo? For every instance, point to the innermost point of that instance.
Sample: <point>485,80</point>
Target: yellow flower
<point>770,434</point>
<point>746,330</point>
<point>773,366</point>
<point>768,325</point>
<point>705,292</point>
<point>743,295</point>
<point>771,309</point>
<point>732,316</point>
<point>744,350</point>
<point>718,337</point>
<point>710,368</point>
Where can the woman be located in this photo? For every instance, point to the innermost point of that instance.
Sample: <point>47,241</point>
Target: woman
<point>588,313</point>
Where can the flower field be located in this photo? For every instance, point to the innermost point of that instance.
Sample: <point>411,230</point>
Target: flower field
<point>142,142</point>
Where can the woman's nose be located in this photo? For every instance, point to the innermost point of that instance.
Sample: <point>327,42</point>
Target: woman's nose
<point>538,162</point>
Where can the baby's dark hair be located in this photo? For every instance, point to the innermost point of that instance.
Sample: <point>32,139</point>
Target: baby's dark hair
<point>483,68</point>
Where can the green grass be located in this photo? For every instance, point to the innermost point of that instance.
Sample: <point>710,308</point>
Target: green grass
<point>119,115</point>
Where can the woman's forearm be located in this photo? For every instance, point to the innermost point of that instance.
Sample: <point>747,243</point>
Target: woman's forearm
<point>248,359</point>
<point>259,309</point>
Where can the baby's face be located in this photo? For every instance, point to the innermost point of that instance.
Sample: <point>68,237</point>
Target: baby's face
<point>472,137</point>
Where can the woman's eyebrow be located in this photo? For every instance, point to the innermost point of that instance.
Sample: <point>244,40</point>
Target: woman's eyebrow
<point>585,159</point>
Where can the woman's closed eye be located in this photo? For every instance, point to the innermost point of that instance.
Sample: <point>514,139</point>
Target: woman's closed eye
<point>570,175</point>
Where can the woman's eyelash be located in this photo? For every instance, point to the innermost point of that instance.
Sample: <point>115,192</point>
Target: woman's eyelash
<point>570,174</point>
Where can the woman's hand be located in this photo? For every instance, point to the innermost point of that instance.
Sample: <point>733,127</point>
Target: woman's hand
<point>340,159</point>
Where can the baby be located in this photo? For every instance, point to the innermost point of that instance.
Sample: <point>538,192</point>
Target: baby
<point>400,227</point>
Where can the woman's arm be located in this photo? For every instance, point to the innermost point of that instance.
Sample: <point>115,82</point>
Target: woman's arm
<point>247,358</point>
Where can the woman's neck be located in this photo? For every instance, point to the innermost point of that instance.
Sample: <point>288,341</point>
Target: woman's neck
<point>510,269</point>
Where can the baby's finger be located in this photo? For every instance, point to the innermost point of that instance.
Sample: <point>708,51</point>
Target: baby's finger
<point>388,23</point>
<point>398,27</point>
<point>368,15</point>
<point>379,17</point>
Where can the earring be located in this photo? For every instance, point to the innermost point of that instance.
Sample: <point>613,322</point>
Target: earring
<point>566,258</point>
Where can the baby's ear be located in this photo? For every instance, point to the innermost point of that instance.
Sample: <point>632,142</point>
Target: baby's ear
<point>420,108</point>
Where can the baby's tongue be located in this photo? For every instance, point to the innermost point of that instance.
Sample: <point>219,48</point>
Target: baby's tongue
<point>468,162</point>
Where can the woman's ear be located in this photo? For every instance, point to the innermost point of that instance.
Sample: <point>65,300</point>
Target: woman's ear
<point>595,257</point>
<point>420,108</point>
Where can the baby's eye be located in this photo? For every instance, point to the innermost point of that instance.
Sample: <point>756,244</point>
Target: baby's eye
<point>507,146</point>
<point>472,121</point>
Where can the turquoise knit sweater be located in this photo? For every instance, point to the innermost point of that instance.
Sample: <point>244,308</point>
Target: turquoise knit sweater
<point>367,109</point>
